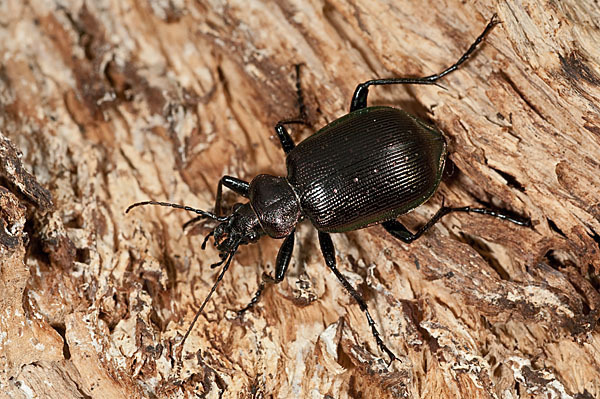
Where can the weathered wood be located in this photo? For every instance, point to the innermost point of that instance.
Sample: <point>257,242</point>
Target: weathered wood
<point>116,102</point>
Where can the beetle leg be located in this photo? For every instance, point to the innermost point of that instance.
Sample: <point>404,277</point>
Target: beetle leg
<point>359,99</point>
<point>398,230</point>
<point>287,144</point>
<point>284,137</point>
<point>281,265</point>
<point>233,183</point>
<point>329,254</point>
<point>239,186</point>
<point>300,97</point>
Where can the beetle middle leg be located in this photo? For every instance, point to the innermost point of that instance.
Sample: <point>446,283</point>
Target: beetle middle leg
<point>233,183</point>
<point>329,255</point>
<point>284,137</point>
<point>281,265</point>
<point>398,230</point>
<point>359,99</point>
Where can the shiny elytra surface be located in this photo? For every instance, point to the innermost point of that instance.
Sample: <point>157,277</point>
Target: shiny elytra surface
<point>365,168</point>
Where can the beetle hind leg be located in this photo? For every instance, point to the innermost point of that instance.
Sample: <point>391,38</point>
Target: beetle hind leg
<point>359,99</point>
<point>284,137</point>
<point>281,265</point>
<point>398,230</point>
<point>329,255</point>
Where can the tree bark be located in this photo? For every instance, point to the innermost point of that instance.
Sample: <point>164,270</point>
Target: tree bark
<point>114,102</point>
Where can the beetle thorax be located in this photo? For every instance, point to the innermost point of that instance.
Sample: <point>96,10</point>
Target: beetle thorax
<point>275,204</point>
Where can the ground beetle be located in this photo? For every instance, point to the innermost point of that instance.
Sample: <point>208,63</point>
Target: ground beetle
<point>365,168</point>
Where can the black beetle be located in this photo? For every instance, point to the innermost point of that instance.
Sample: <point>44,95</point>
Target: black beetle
<point>365,168</point>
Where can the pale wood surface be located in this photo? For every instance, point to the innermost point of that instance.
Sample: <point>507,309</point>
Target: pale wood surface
<point>112,102</point>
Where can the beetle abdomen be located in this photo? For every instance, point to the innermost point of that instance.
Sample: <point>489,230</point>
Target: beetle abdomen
<point>366,167</point>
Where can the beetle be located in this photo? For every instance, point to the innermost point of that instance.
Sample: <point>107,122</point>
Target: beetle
<point>365,168</point>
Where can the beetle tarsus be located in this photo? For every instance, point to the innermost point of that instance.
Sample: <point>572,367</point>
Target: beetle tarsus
<point>299,95</point>
<point>254,300</point>
<point>284,257</point>
<point>265,279</point>
<point>518,220</point>
<point>328,251</point>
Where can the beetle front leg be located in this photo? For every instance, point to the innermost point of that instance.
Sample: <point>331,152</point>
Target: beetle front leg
<point>239,186</point>
<point>359,99</point>
<point>284,256</point>
<point>284,137</point>
<point>329,254</point>
<point>398,230</point>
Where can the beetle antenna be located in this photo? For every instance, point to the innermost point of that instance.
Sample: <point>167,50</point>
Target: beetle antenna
<point>212,290</point>
<point>200,212</point>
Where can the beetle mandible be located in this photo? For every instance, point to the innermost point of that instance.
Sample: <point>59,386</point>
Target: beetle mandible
<point>367,167</point>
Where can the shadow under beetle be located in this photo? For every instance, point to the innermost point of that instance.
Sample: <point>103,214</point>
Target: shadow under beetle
<point>365,168</point>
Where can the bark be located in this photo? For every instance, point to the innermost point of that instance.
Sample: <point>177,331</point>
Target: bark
<point>113,102</point>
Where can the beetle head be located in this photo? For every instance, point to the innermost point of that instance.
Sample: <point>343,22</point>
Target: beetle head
<point>239,228</point>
